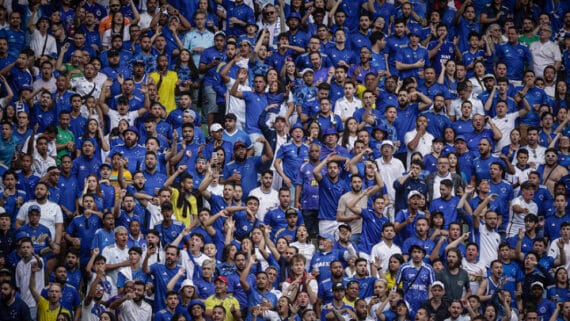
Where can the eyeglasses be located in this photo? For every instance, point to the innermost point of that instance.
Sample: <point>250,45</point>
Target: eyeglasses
<point>270,13</point>
<point>114,5</point>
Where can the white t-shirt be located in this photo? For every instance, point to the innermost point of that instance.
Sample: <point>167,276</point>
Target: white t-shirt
<point>23,276</point>
<point>50,214</point>
<point>424,144</point>
<point>115,255</point>
<point>267,201</point>
<point>130,311</point>
<point>115,117</point>
<point>516,220</point>
<point>505,125</point>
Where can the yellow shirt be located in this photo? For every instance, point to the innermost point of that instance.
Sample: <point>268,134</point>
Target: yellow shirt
<point>179,211</point>
<point>166,90</point>
<point>226,302</point>
<point>114,180</point>
<point>360,89</point>
<point>391,281</point>
<point>44,312</point>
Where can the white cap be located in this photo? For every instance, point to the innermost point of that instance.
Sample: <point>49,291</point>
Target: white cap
<point>414,193</point>
<point>186,283</point>
<point>215,127</point>
<point>438,283</point>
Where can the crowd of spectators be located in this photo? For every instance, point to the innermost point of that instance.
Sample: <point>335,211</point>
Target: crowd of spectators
<point>332,160</point>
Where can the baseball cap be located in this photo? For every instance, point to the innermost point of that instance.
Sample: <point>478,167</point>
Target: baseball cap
<point>387,142</point>
<point>438,283</point>
<point>190,113</point>
<point>34,207</point>
<point>306,70</point>
<point>222,278</point>
<point>296,126</point>
<point>133,129</point>
<point>414,193</point>
<point>215,127</point>
<point>330,131</point>
<point>346,226</point>
<point>488,76</point>
<point>196,302</point>
<point>294,15</point>
<point>338,286</point>
<point>460,137</point>
<point>291,212</point>
<point>239,144</point>
<point>186,283</point>
<point>537,283</point>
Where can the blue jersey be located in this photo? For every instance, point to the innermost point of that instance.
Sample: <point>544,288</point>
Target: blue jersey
<point>517,58</point>
<point>135,155</point>
<point>329,194</point>
<point>393,45</point>
<point>169,234</point>
<point>161,276</point>
<point>505,193</point>
<point>255,103</point>
<point>276,219</point>
<point>321,262</point>
<point>415,283</point>
<point>292,157</point>
<point>40,235</point>
<point>448,208</point>
<point>409,55</point>
<point>309,186</point>
<point>371,231</point>
<point>409,230</point>
<point>427,244</point>
<point>85,229</point>
<point>102,239</point>
<point>446,52</point>
<point>83,167</point>
<point>247,169</point>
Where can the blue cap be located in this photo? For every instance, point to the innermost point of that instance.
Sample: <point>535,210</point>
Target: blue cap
<point>330,131</point>
<point>295,126</point>
<point>21,235</point>
<point>139,61</point>
<point>133,129</point>
<point>88,140</point>
<point>294,15</point>
<point>196,302</point>
<point>34,207</point>
<point>460,137</point>
<point>382,128</point>
<point>114,152</point>
<point>26,87</point>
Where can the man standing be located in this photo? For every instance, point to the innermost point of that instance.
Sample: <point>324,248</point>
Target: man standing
<point>331,188</point>
<point>545,52</point>
<point>454,278</point>
<point>132,305</point>
<point>416,277</point>
<point>516,56</point>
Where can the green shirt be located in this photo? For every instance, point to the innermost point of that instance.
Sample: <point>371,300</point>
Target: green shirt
<point>528,40</point>
<point>64,136</point>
